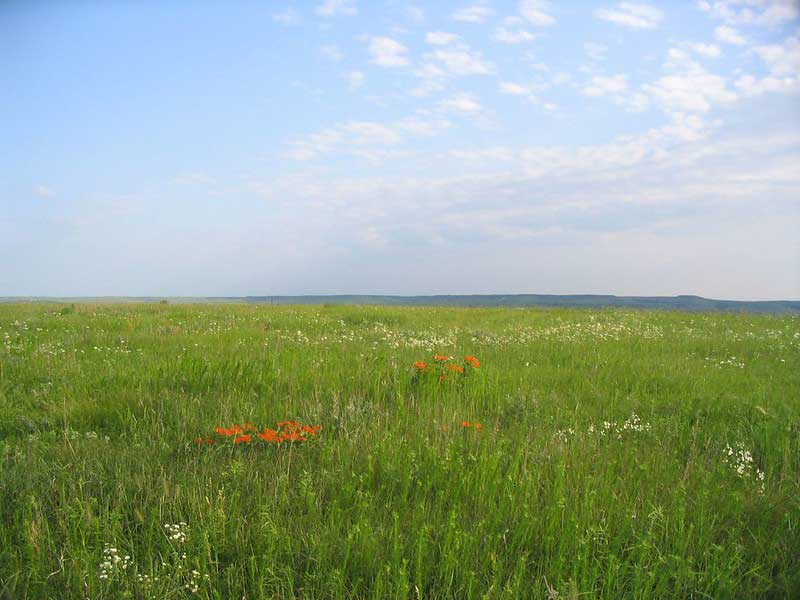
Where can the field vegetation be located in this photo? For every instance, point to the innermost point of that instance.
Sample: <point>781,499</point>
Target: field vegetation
<point>544,453</point>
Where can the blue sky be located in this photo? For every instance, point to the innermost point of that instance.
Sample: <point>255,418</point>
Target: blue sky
<point>345,146</point>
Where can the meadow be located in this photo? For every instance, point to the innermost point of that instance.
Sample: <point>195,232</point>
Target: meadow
<point>575,454</point>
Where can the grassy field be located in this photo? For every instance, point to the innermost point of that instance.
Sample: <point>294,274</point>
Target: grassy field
<point>619,454</point>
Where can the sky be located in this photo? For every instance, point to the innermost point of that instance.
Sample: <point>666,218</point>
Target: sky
<point>350,146</point>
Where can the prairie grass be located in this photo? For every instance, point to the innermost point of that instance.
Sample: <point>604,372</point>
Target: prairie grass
<point>620,455</point>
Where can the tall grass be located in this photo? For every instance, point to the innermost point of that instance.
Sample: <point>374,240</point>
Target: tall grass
<point>622,454</point>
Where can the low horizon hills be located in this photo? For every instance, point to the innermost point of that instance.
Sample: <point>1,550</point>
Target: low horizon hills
<point>684,302</point>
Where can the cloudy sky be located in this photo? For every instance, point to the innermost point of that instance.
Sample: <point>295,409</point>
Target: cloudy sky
<point>346,146</point>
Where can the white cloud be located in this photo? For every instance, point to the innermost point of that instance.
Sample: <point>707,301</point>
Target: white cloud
<point>783,62</point>
<point>43,191</point>
<point>768,13</point>
<point>387,52</point>
<point>707,50</point>
<point>355,79</point>
<point>636,102</point>
<point>477,13</point>
<point>729,35</point>
<point>366,139</point>
<point>481,155</point>
<point>692,90</point>
<point>462,61</point>
<point>416,14</point>
<point>440,38</point>
<point>634,16</point>
<point>331,52</point>
<point>515,89</point>
<point>332,8</point>
<point>601,86</point>
<point>526,90</point>
<point>781,59</point>
<point>462,103</point>
<point>535,11</point>
<point>750,86</point>
<point>679,58</point>
<point>512,36</point>
<point>287,17</point>
<point>596,52</point>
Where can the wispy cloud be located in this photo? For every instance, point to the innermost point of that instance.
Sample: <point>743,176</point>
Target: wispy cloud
<point>355,79</point>
<point>476,13</point>
<point>331,52</point>
<point>440,38</point>
<point>631,15</point>
<point>387,52</point>
<point>333,8</point>
<point>706,50</point>
<point>536,12</point>
<point>767,13</point>
<point>366,139</point>
<point>600,86</point>
<point>43,191</point>
<point>287,17</point>
<point>783,58</point>
<point>729,35</point>
<point>511,32</point>
<point>691,90</point>
<point>462,103</point>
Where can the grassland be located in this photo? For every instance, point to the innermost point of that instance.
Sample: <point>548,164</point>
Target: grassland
<point>621,454</point>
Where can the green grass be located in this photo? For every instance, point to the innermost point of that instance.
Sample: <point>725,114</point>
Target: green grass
<point>100,404</point>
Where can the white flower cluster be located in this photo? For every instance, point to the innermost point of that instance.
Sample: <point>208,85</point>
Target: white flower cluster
<point>564,434</point>
<point>145,579</point>
<point>632,424</point>
<point>741,460</point>
<point>195,579</point>
<point>112,562</point>
<point>731,361</point>
<point>177,532</point>
<point>89,435</point>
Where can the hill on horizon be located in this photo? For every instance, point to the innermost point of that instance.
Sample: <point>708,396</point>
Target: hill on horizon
<point>683,302</point>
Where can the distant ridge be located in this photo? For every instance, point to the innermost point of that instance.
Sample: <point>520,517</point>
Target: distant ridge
<point>687,303</point>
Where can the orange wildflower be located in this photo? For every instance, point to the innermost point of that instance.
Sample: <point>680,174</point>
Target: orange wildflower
<point>420,366</point>
<point>270,436</point>
<point>478,426</point>
<point>454,367</point>
<point>471,360</point>
<point>198,440</point>
<point>441,358</point>
<point>242,438</point>
<point>465,424</point>
<point>311,430</point>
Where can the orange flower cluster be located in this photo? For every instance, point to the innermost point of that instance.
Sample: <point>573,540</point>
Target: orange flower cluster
<point>470,362</point>
<point>287,431</point>
<point>477,426</point>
